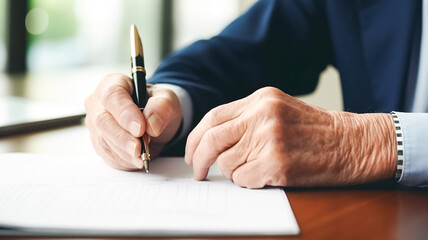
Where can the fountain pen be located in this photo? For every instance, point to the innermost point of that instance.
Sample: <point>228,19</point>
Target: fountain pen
<point>139,95</point>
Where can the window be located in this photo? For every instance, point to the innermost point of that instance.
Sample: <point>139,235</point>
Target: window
<point>74,33</point>
<point>195,19</point>
<point>2,35</point>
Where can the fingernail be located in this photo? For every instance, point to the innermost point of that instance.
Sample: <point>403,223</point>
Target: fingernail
<point>155,123</point>
<point>131,148</point>
<point>138,163</point>
<point>134,128</point>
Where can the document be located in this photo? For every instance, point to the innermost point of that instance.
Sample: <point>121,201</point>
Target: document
<point>47,194</point>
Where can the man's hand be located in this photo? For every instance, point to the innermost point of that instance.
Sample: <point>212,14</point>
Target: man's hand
<point>271,138</point>
<point>116,123</point>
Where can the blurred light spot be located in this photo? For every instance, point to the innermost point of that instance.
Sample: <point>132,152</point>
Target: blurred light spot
<point>37,21</point>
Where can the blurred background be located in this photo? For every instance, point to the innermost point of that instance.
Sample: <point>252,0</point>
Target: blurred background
<point>54,53</point>
<point>77,33</point>
<point>81,40</point>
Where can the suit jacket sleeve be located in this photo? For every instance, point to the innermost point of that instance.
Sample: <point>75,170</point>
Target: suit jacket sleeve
<point>284,44</point>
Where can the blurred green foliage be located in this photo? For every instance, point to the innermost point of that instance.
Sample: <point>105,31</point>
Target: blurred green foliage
<point>62,19</point>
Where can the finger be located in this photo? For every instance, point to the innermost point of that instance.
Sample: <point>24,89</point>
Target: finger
<point>124,158</point>
<point>228,161</point>
<point>163,109</point>
<point>104,151</point>
<point>118,137</point>
<point>250,175</point>
<point>215,141</point>
<point>213,118</point>
<point>115,95</point>
<point>116,161</point>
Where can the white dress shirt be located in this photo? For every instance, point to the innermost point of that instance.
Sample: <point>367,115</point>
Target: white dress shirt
<point>415,125</point>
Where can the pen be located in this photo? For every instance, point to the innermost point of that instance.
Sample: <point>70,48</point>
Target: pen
<point>139,81</point>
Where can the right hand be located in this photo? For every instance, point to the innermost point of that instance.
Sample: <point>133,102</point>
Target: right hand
<point>116,124</point>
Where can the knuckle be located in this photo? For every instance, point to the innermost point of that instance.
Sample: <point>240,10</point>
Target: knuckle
<point>103,119</point>
<point>269,91</point>
<point>212,136</point>
<point>169,93</point>
<point>165,104</point>
<point>110,76</point>
<point>116,90</point>
<point>110,92</point>
<point>275,106</point>
<point>270,107</point>
<point>273,122</point>
<point>113,82</point>
<point>122,110</point>
<point>119,78</point>
<point>121,104</point>
<point>116,80</point>
<point>209,117</point>
<point>120,135</point>
<point>212,116</point>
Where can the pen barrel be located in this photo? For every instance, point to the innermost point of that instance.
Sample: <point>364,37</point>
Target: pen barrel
<point>139,81</point>
<point>140,94</point>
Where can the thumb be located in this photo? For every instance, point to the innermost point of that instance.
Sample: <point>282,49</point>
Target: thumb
<point>163,113</point>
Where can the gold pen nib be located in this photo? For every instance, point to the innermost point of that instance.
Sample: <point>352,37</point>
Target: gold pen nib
<point>146,159</point>
<point>146,165</point>
<point>146,154</point>
<point>136,46</point>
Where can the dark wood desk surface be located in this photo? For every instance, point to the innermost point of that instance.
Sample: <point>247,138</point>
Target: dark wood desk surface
<point>377,211</point>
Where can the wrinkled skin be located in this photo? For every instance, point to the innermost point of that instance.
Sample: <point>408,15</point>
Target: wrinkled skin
<point>267,138</point>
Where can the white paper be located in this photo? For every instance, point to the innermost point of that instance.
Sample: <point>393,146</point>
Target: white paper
<point>79,194</point>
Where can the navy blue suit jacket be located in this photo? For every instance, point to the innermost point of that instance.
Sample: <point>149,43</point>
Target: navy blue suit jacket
<point>287,43</point>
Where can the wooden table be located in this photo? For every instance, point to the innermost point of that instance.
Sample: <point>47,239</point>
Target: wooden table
<point>375,211</point>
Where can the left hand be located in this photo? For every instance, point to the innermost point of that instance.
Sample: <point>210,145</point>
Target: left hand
<point>271,138</point>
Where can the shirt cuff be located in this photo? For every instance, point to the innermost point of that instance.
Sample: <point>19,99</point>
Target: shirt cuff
<point>415,141</point>
<point>186,108</point>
